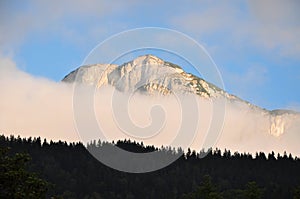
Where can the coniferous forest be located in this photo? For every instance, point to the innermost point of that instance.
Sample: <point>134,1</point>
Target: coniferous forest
<point>35,168</point>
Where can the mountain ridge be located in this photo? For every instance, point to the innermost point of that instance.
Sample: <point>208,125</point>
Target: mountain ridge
<point>153,71</point>
<point>150,74</point>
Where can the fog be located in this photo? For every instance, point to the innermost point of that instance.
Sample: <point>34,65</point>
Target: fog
<point>33,106</point>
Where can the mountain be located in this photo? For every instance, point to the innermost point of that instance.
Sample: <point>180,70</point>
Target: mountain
<point>245,124</point>
<point>148,74</point>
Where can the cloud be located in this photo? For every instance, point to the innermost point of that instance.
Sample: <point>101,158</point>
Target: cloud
<point>277,25</point>
<point>207,19</point>
<point>33,106</point>
<point>267,26</point>
<point>70,20</point>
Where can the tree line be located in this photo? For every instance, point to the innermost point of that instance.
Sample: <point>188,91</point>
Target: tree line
<point>32,168</point>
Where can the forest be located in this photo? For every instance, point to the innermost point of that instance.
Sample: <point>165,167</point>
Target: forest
<point>35,168</point>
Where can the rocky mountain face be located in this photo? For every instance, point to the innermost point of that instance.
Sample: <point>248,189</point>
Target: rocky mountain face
<point>148,74</point>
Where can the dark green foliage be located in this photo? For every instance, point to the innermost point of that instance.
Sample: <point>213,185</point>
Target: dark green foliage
<point>206,190</point>
<point>15,181</point>
<point>297,193</point>
<point>252,191</point>
<point>75,173</point>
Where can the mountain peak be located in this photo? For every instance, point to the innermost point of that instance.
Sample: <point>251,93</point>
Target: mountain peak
<point>156,75</point>
<point>147,60</point>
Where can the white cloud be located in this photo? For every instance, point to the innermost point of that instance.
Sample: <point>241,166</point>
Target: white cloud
<point>211,19</point>
<point>263,25</point>
<point>33,106</point>
<point>277,26</point>
<point>267,25</point>
<point>73,20</point>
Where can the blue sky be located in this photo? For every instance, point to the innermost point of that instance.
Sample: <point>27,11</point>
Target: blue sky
<point>255,44</point>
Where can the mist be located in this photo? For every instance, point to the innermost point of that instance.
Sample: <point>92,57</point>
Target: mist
<point>34,106</point>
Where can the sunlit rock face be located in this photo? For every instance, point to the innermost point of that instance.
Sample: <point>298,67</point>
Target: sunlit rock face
<point>280,121</point>
<point>148,74</point>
